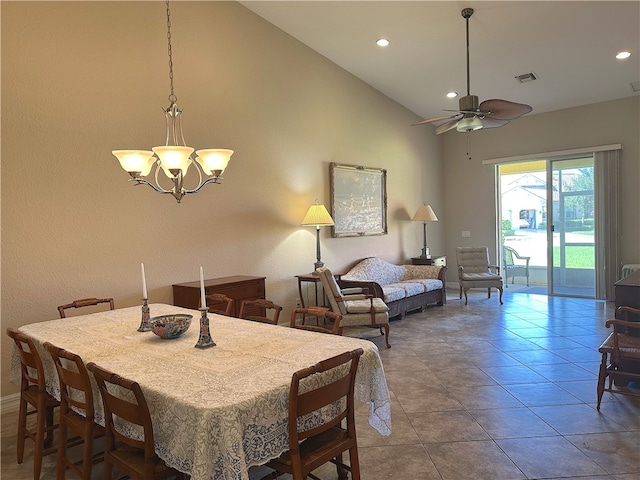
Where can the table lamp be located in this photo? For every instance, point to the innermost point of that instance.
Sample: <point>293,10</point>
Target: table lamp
<point>317,216</point>
<point>425,214</point>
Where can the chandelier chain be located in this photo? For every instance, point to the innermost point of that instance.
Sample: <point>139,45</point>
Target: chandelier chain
<point>172,98</point>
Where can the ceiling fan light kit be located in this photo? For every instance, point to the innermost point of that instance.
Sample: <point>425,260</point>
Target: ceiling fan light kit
<point>473,115</point>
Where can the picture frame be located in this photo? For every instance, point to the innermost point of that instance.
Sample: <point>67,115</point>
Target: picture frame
<point>358,200</point>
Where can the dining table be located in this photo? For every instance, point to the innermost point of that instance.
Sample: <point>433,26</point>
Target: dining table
<point>216,411</point>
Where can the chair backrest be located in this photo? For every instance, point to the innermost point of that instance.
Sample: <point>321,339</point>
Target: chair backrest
<point>219,303</point>
<point>252,309</point>
<point>31,368</point>
<point>318,313</point>
<point>85,302</point>
<point>473,259</point>
<point>75,384</point>
<point>331,289</point>
<point>507,255</point>
<point>117,398</point>
<point>318,393</point>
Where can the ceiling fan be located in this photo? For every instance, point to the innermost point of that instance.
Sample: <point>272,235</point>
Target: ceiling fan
<point>473,115</point>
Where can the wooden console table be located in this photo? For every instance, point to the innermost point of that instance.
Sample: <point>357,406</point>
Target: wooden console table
<point>238,287</point>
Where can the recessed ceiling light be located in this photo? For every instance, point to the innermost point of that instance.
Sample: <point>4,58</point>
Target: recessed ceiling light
<point>623,55</point>
<point>452,94</point>
<point>382,42</point>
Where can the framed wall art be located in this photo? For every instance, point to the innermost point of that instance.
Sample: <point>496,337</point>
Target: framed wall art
<point>358,200</point>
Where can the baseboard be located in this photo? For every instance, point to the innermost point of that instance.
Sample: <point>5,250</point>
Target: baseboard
<point>10,404</point>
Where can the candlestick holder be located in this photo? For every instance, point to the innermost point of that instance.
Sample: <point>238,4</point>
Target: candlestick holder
<point>145,325</point>
<point>204,340</point>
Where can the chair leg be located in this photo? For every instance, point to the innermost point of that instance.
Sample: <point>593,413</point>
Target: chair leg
<point>466,299</point>
<point>602,378</point>
<point>22,425</point>
<point>500,288</point>
<point>355,463</point>
<point>62,451</point>
<point>39,441</point>
<point>489,292</point>
<point>461,292</point>
<point>386,335</point>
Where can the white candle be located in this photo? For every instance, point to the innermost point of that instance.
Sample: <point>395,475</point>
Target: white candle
<point>144,282</point>
<point>203,300</point>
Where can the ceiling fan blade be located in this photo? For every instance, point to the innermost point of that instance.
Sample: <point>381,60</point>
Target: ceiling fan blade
<point>445,127</point>
<point>503,109</point>
<point>488,122</point>
<point>435,119</point>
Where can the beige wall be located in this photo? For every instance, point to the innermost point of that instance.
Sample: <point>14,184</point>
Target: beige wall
<point>470,186</point>
<point>80,79</point>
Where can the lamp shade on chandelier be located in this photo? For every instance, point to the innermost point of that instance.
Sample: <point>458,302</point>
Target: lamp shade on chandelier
<point>175,157</point>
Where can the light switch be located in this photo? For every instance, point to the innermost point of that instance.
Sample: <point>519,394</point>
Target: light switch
<point>466,234</point>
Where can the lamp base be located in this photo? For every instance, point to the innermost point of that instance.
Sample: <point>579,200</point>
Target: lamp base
<point>317,265</point>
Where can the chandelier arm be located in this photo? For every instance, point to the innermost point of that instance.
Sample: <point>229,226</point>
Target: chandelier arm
<point>142,181</point>
<point>206,182</point>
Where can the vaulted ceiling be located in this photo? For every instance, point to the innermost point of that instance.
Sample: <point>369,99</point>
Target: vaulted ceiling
<point>569,46</point>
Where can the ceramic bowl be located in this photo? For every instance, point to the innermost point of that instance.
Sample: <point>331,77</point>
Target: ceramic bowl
<point>170,326</point>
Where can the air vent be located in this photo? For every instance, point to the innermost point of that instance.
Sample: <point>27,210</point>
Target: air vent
<point>635,86</point>
<point>526,77</point>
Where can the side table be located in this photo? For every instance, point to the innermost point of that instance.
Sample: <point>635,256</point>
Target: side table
<point>438,260</point>
<point>315,279</point>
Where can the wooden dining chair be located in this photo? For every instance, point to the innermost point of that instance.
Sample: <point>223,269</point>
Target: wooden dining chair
<point>311,443</point>
<point>219,303</point>
<point>85,302</point>
<point>34,400</point>
<point>620,354</point>
<point>326,320</point>
<point>136,458</point>
<point>76,413</point>
<point>260,310</point>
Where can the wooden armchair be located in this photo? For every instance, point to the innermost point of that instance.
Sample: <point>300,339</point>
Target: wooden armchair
<point>260,310</point>
<point>219,303</point>
<point>356,309</point>
<point>620,355</point>
<point>85,302</point>
<point>318,313</point>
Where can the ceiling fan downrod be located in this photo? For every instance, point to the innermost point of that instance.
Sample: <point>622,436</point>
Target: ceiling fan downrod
<point>466,14</point>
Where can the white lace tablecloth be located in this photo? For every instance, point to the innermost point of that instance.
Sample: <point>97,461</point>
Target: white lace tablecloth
<point>217,411</point>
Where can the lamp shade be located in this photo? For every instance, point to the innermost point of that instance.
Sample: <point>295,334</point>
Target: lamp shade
<point>425,214</point>
<point>213,160</point>
<point>317,216</point>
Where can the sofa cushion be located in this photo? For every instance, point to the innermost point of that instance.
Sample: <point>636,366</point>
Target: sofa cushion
<point>376,269</point>
<point>391,294</point>
<point>428,284</point>
<point>410,288</point>
<point>364,306</point>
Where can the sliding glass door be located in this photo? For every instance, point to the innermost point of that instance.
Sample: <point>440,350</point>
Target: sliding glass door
<point>571,227</point>
<point>547,219</point>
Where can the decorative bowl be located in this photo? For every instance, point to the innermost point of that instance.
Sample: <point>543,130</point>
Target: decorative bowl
<point>170,326</point>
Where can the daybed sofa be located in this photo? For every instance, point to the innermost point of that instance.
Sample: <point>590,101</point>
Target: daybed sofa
<point>402,287</point>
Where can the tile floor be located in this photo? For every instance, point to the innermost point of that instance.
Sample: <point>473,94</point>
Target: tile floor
<point>484,392</point>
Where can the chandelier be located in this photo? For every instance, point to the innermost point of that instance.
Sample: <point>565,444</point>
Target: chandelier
<point>174,158</point>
